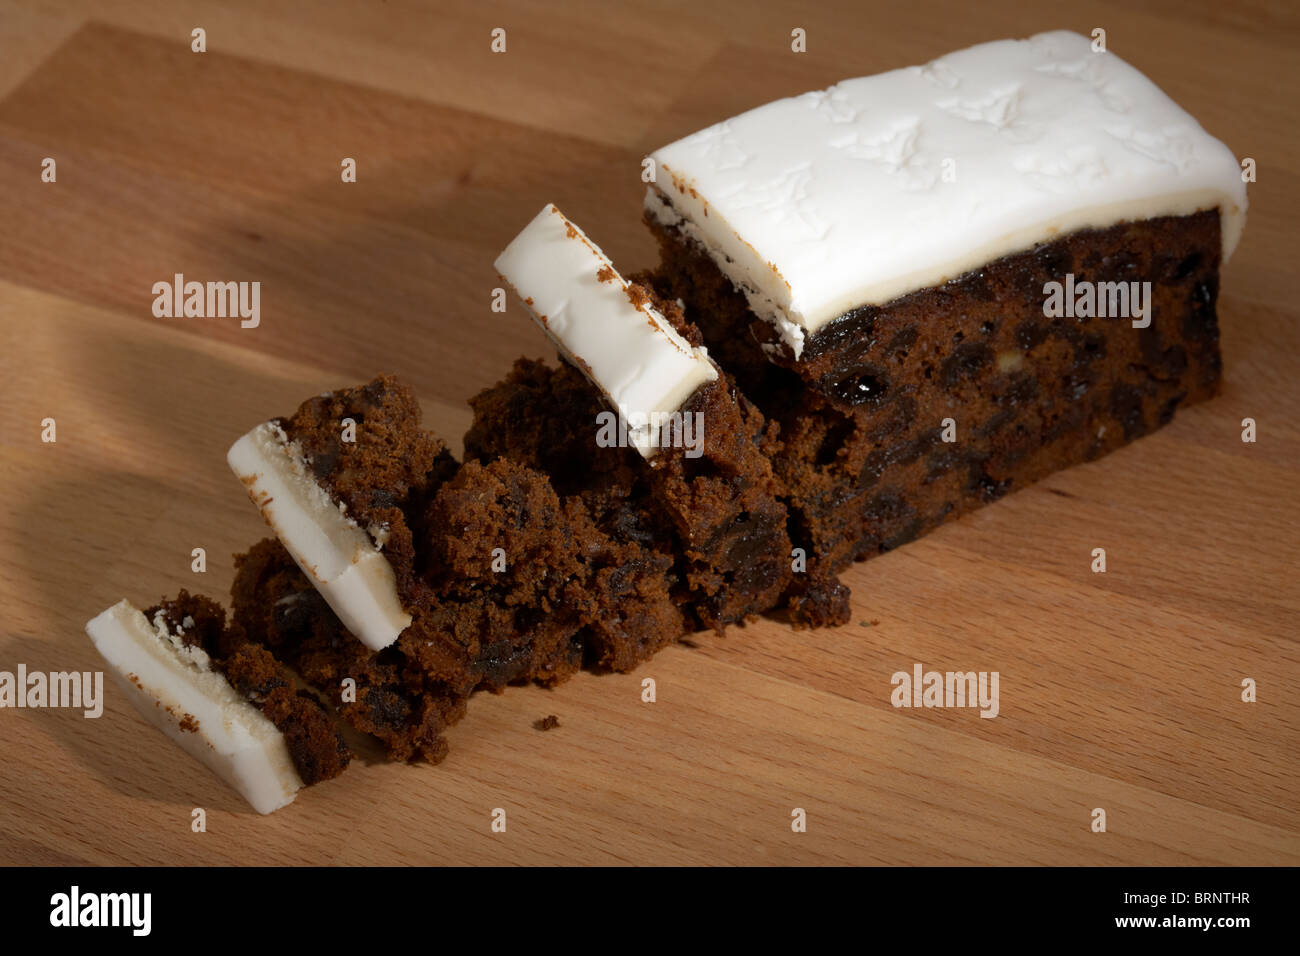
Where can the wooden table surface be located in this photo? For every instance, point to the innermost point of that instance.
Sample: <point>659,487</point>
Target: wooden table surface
<point>1119,691</point>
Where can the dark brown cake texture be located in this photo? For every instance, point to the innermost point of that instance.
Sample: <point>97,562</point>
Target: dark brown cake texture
<point>715,516</point>
<point>860,416</point>
<point>717,524</point>
<point>317,750</point>
<point>385,469</point>
<point>276,605</point>
<point>506,581</point>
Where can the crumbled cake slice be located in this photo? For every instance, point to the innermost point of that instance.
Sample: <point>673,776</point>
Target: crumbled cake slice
<point>716,518</point>
<point>185,673</point>
<point>517,566</point>
<point>505,560</point>
<point>379,471</point>
<point>598,321</point>
<point>516,586</point>
<point>633,613</point>
<point>277,607</point>
<point>702,479</point>
<point>317,749</point>
<point>335,482</point>
<point>498,579</point>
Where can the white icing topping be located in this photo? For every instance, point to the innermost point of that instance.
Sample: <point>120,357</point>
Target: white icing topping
<point>341,559</point>
<point>627,349</point>
<point>174,688</point>
<point>192,655</point>
<point>883,185</point>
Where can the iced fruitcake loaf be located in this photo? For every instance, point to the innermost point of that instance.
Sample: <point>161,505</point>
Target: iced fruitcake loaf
<point>945,282</point>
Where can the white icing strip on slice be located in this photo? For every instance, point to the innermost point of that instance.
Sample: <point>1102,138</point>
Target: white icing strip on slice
<point>629,351</point>
<point>175,689</point>
<point>340,558</point>
<point>880,186</point>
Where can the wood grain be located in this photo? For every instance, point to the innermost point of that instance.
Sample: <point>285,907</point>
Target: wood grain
<point>1119,691</point>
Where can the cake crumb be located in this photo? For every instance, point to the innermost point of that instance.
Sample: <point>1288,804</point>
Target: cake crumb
<point>549,722</point>
<point>639,296</point>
